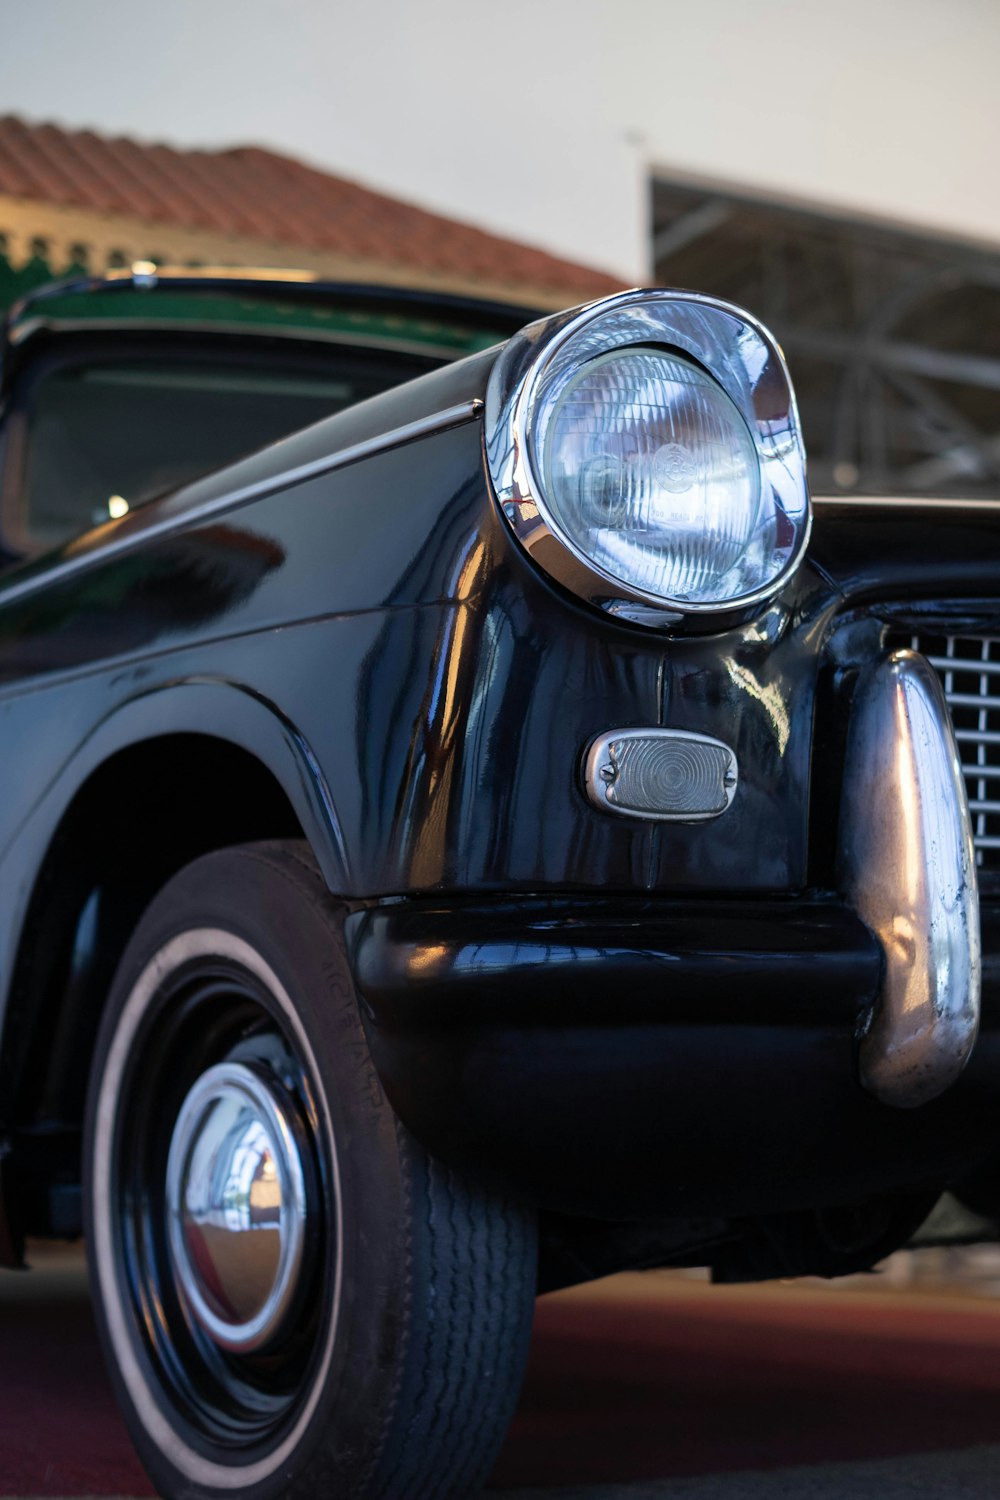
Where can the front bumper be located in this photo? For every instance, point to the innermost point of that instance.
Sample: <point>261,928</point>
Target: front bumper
<point>633,1057</point>
<point>636,1057</point>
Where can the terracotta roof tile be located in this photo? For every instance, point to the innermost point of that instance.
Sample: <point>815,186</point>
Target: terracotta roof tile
<point>250,191</point>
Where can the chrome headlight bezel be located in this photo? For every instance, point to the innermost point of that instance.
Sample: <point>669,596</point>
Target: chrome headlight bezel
<point>735,351</point>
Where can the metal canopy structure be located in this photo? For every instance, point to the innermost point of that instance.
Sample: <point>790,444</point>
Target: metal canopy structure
<point>893,338</point>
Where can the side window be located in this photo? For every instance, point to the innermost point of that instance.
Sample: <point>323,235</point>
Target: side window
<point>101,438</point>
<point>96,432</point>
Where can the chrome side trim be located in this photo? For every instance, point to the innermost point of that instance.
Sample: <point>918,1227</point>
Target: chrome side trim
<point>136,529</point>
<point>907,867</point>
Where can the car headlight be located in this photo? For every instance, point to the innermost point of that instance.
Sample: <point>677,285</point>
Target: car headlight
<point>646,451</point>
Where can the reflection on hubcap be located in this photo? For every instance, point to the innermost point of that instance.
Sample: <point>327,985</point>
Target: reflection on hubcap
<point>236,1205</point>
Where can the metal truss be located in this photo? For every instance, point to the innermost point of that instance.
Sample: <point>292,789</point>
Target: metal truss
<point>893,339</point>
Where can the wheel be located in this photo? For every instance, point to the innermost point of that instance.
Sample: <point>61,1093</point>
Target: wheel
<point>294,1298</point>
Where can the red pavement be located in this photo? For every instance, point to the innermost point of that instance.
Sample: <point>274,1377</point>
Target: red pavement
<point>635,1378</point>
<point>60,1432</point>
<point>648,1377</point>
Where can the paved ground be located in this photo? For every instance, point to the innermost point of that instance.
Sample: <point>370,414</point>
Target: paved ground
<point>973,1475</point>
<point>639,1388</point>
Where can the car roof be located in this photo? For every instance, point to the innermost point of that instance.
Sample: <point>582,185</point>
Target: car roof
<point>296,303</point>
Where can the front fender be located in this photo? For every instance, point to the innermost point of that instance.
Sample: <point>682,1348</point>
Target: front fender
<point>213,707</point>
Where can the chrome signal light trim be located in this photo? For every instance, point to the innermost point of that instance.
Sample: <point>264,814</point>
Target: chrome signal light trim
<point>664,775</point>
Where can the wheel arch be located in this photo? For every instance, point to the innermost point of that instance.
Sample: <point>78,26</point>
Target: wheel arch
<point>172,774</point>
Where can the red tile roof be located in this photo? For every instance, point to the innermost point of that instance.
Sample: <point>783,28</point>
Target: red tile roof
<point>251,192</point>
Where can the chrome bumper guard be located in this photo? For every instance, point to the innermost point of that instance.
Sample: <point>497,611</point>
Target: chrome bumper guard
<point>907,867</point>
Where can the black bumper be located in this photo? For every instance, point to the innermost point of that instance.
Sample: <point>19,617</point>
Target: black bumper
<point>630,1057</point>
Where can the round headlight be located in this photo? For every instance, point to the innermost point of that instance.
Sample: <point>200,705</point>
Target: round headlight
<point>646,452</point>
<point>649,469</point>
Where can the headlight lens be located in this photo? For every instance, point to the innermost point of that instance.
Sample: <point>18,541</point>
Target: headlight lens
<point>646,452</point>
<point>649,469</point>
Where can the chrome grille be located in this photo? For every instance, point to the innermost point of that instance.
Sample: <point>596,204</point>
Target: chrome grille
<point>969,667</point>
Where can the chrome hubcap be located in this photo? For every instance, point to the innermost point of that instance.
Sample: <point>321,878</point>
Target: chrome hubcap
<point>237,1205</point>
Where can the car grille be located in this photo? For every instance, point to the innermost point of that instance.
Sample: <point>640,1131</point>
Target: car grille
<point>969,668</point>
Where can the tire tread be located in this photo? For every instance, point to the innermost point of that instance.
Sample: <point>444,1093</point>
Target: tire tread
<point>442,1288</point>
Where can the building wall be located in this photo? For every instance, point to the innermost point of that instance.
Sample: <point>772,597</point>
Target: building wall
<point>64,237</point>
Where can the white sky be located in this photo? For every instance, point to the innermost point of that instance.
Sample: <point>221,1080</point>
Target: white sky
<point>540,120</point>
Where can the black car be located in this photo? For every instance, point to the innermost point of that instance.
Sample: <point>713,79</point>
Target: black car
<point>491,835</point>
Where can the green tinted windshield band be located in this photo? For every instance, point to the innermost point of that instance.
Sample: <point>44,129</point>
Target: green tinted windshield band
<point>234,310</point>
